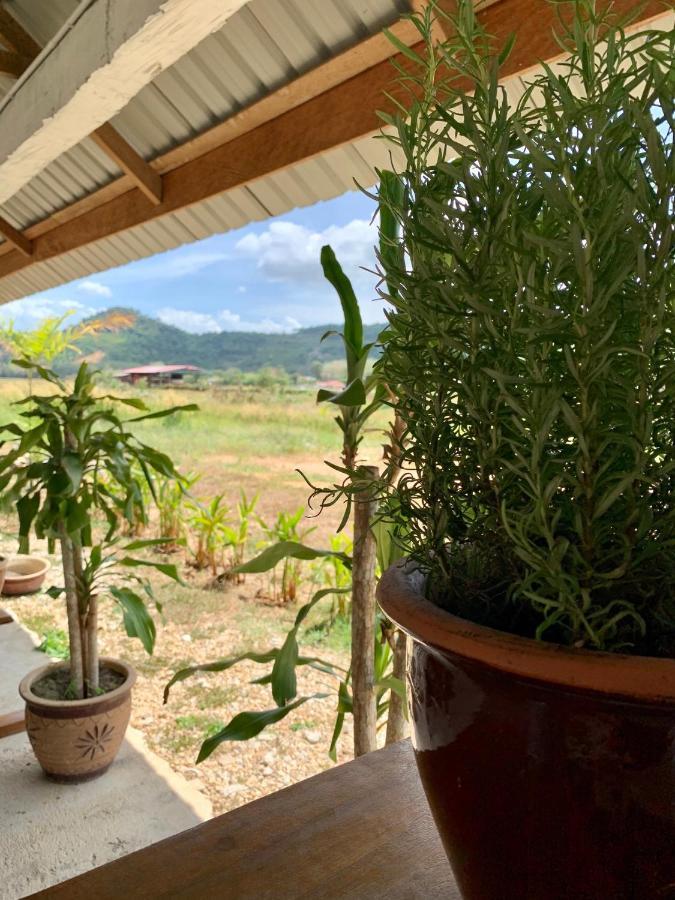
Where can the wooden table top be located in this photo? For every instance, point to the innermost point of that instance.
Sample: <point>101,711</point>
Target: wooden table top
<point>360,831</point>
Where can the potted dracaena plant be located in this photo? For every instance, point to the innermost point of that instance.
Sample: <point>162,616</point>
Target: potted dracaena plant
<point>531,346</point>
<point>69,458</point>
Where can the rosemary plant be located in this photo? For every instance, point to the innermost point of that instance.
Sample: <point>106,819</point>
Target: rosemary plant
<point>532,339</point>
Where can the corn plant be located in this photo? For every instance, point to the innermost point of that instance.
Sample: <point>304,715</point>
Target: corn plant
<point>236,536</point>
<point>373,686</point>
<point>53,460</point>
<point>286,530</point>
<point>172,497</point>
<point>333,572</point>
<point>207,522</point>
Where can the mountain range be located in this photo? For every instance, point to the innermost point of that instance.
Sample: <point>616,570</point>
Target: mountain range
<point>150,341</point>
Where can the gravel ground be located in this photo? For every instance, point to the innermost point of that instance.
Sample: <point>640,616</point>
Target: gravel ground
<point>202,625</point>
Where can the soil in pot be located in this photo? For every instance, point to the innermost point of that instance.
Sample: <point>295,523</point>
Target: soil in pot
<point>54,685</point>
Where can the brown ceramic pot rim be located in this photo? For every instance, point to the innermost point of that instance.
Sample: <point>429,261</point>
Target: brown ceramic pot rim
<point>88,706</point>
<point>633,677</point>
<point>17,576</point>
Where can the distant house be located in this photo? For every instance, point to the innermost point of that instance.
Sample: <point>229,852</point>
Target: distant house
<point>156,375</point>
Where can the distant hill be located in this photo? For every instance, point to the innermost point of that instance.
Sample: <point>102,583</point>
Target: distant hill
<point>151,341</point>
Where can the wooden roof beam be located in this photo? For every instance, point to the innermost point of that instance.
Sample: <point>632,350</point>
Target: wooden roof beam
<point>106,137</point>
<point>15,36</point>
<point>340,68</point>
<point>12,63</point>
<point>109,54</point>
<point>121,151</point>
<point>23,244</point>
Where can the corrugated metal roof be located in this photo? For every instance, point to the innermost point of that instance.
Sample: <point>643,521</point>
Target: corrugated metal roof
<point>265,45</point>
<point>158,370</point>
<point>317,179</point>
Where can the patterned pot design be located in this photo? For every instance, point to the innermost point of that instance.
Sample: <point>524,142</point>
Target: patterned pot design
<point>77,740</point>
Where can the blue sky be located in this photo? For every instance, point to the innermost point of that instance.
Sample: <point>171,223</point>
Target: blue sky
<point>264,277</point>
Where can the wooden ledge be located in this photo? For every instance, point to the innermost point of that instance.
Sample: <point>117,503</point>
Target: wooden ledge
<point>12,723</point>
<point>360,831</point>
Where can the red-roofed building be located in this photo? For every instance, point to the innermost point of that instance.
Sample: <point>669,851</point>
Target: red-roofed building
<point>156,375</point>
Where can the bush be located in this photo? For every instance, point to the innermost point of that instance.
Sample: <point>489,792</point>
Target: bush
<point>532,342</point>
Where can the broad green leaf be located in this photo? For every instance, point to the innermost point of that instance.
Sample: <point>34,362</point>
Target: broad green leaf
<point>168,569</point>
<point>137,620</point>
<point>163,413</point>
<point>72,466</point>
<point>221,665</point>
<point>247,725</point>
<point>273,555</point>
<point>284,682</point>
<point>353,324</point>
<point>27,508</point>
<point>354,394</point>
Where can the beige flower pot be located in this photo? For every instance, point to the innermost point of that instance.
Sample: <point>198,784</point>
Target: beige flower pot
<point>3,570</point>
<point>77,740</point>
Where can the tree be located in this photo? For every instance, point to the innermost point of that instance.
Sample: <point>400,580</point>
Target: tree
<point>50,339</point>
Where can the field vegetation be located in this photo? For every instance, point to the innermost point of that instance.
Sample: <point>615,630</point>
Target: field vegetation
<point>239,453</point>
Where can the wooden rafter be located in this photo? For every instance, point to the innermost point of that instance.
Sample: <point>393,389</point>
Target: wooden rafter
<point>14,36</point>
<point>306,124</point>
<point>12,63</point>
<point>106,137</point>
<point>23,244</point>
<point>121,151</point>
<point>342,67</point>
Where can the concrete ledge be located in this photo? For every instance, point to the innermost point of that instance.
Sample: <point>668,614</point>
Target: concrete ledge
<point>51,832</point>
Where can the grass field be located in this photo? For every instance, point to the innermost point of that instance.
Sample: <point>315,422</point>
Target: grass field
<point>238,440</point>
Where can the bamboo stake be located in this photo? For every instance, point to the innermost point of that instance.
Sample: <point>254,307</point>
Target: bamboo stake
<point>363,622</point>
<point>397,726</point>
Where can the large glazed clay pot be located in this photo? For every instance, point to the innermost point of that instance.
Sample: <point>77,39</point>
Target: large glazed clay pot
<point>550,772</point>
<point>77,740</point>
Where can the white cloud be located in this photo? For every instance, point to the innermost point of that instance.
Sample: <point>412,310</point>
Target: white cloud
<point>95,287</point>
<point>27,313</point>
<point>288,252</point>
<point>187,320</point>
<point>173,264</point>
<point>223,320</point>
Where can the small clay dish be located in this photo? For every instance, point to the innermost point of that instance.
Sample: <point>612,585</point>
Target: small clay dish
<point>24,575</point>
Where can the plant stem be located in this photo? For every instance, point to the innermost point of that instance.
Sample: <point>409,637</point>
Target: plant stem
<point>363,622</point>
<point>92,645</point>
<point>89,627</point>
<point>73,611</point>
<point>397,726</point>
